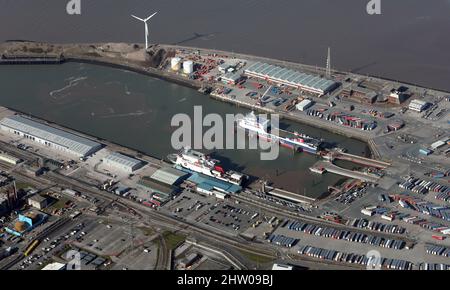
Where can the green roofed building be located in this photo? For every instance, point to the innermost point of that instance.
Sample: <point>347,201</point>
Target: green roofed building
<point>169,175</point>
<point>154,187</point>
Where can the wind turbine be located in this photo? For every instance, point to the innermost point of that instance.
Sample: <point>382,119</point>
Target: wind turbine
<point>146,26</point>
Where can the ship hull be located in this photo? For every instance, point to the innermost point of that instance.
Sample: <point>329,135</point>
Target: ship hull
<point>297,142</point>
<point>298,146</point>
<point>195,167</point>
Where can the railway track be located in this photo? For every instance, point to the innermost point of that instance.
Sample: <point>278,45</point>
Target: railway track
<point>172,222</point>
<point>155,215</point>
<point>240,244</point>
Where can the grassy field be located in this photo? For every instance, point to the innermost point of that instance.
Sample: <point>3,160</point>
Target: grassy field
<point>146,231</point>
<point>60,203</point>
<point>256,258</point>
<point>22,185</point>
<point>172,239</point>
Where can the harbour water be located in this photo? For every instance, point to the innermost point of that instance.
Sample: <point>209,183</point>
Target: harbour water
<point>408,41</point>
<point>136,111</point>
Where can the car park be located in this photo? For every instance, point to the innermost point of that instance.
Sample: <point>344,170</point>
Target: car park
<point>344,235</point>
<point>351,258</point>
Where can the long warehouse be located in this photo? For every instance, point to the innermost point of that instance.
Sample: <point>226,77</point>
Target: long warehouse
<point>292,78</point>
<point>49,136</point>
<point>122,162</point>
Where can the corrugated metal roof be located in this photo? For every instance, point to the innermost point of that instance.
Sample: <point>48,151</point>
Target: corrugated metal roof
<point>290,76</point>
<point>232,76</point>
<point>38,198</point>
<point>205,186</point>
<point>438,144</point>
<point>62,138</point>
<point>54,266</point>
<point>155,185</point>
<point>121,159</point>
<point>168,175</point>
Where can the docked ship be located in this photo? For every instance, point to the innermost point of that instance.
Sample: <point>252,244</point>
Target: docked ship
<point>202,163</point>
<point>293,140</point>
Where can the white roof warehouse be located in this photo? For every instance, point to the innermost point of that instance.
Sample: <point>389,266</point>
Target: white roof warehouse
<point>292,78</point>
<point>49,136</point>
<point>122,162</point>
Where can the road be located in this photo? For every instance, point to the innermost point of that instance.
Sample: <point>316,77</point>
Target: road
<point>172,222</point>
<point>155,215</point>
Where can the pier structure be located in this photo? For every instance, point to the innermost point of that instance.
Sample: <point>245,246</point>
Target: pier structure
<point>24,59</point>
<point>330,167</point>
<point>332,155</point>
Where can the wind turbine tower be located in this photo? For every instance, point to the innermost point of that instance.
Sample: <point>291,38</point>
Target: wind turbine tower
<point>146,26</point>
<point>328,72</point>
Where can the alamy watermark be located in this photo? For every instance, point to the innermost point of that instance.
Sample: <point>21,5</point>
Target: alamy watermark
<point>74,260</point>
<point>374,7</point>
<point>221,134</point>
<point>73,7</point>
<point>374,260</point>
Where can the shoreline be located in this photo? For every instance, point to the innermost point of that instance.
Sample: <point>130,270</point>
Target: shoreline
<point>243,55</point>
<point>161,75</point>
<point>115,57</point>
<point>147,157</point>
<point>193,84</point>
<point>152,73</point>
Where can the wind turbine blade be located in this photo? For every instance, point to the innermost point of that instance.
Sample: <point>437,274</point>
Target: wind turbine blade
<point>138,18</point>
<point>146,19</point>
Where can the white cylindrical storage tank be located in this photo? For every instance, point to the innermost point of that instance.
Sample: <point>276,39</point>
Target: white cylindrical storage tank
<point>175,63</point>
<point>188,67</point>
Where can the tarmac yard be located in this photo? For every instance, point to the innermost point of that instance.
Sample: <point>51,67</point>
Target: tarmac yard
<point>224,215</point>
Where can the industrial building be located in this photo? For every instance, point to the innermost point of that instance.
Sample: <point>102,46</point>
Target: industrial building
<point>38,201</point>
<point>157,190</point>
<point>4,204</point>
<point>5,157</point>
<point>231,78</point>
<point>49,136</point>
<point>425,151</point>
<point>398,96</point>
<point>71,192</point>
<point>228,66</point>
<point>281,267</point>
<point>360,94</point>
<point>55,266</point>
<point>189,260</point>
<point>169,176</point>
<point>396,125</point>
<point>26,222</point>
<point>304,105</point>
<point>199,179</point>
<point>418,105</point>
<point>438,144</point>
<point>122,162</point>
<point>288,77</point>
<point>209,190</point>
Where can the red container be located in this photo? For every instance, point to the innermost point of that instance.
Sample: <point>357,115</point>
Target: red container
<point>439,238</point>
